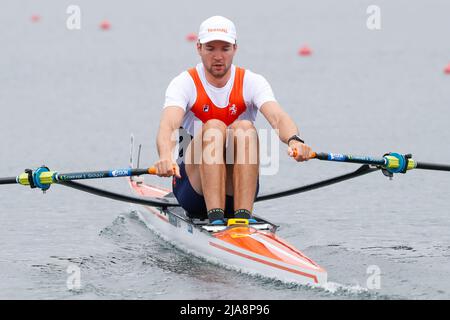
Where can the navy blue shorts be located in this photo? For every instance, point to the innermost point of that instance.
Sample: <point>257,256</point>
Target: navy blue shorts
<point>194,203</point>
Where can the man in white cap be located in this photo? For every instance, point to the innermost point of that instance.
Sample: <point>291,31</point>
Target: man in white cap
<point>216,104</point>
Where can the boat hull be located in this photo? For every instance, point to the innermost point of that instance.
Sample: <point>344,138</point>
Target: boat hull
<point>239,247</point>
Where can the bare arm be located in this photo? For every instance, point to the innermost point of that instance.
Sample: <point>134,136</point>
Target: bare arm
<point>171,119</point>
<point>279,119</point>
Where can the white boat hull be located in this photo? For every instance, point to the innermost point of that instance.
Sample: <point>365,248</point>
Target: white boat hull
<point>241,248</point>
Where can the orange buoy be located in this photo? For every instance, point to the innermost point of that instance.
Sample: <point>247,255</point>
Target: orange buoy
<point>191,37</point>
<point>105,25</point>
<point>447,69</point>
<point>305,51</point>
<point>35,18</point>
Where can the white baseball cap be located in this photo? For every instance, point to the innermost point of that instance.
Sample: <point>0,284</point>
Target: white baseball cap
<point>217,28</point>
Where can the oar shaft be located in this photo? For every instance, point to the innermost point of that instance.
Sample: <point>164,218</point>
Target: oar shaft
<point>433,166</point>
<point>100,174</point>
<point>10,180</point>
<point>43,177</point>
<point>350,158</point>
<point>392,162</point>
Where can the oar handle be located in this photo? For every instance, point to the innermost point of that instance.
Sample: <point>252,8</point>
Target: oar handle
<point>153,170</point>
<point>295,154</point>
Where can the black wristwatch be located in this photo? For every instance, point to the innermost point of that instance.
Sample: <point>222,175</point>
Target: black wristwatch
<point>296,138</point>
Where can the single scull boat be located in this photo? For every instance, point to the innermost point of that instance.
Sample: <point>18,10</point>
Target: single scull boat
<point>252,248</point>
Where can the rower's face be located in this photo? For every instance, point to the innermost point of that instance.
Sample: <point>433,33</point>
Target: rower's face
<point>217,56</point>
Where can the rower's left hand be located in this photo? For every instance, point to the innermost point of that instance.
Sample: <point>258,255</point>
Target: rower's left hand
<point>300,151</point>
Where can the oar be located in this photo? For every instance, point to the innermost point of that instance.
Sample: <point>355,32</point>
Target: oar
<point>42,177</point>
<point>390,163</point>
<point>45,178</point>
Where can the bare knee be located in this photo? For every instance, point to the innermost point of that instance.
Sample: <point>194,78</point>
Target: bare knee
<point>243,125</point>
<point>214,124</point>
<point>243,130</point>
<point>245,143</point>
<point>213,142</point>
<point>214,131</point>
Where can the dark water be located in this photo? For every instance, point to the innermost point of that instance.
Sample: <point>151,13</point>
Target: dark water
<point>70,99</point>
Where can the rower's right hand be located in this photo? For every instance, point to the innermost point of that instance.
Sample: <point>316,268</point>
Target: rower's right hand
<point>167,168</point>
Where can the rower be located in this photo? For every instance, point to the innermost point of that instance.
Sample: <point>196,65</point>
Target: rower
<point>214,104</point>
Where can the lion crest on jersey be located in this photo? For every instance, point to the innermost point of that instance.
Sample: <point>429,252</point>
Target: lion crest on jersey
<point>233,110</point>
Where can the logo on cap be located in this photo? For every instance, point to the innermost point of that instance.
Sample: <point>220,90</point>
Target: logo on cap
<point>218,30</point>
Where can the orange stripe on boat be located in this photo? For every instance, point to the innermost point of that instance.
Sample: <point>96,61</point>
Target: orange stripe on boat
<point>241,237</point>
<point>285,245</point>
<point>264,262</point>
<point>163,218</point>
